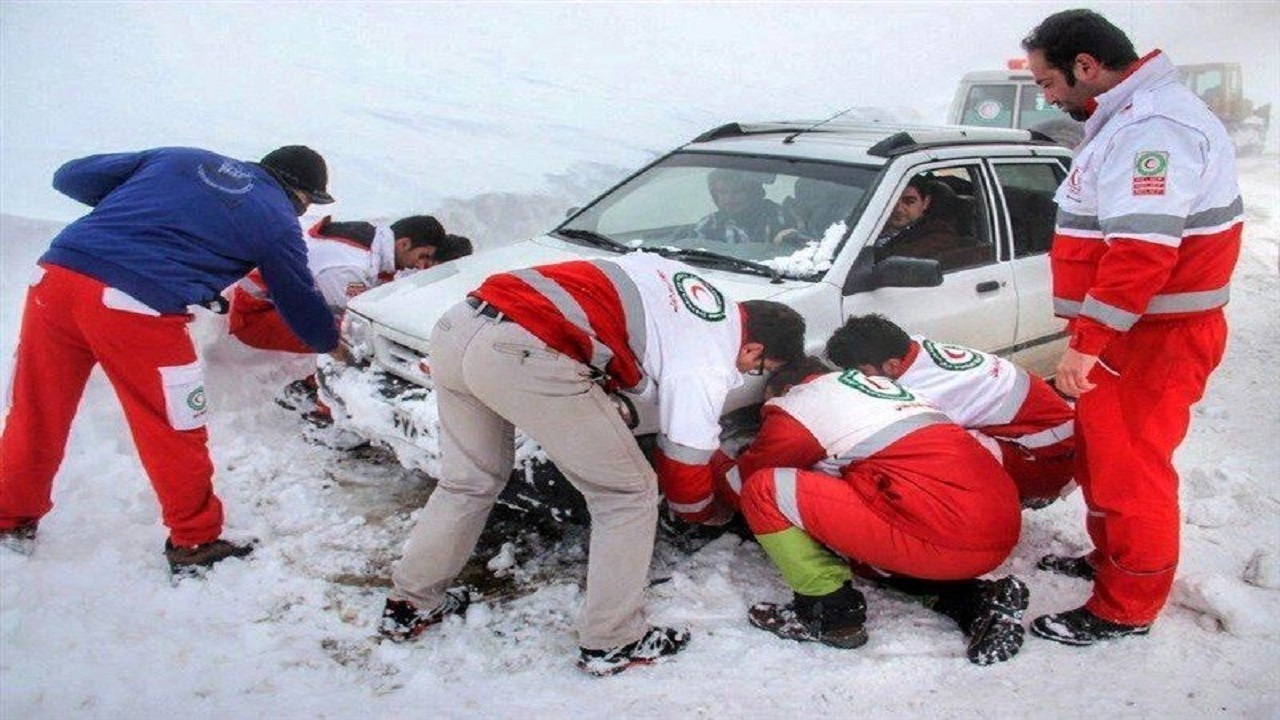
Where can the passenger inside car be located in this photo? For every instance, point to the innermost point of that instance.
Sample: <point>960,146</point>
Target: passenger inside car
<point>932,221</point>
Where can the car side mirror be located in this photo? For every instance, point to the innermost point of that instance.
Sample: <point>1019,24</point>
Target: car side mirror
<point>571,211</point>
<point>891,272</point>
<point>907,272</point>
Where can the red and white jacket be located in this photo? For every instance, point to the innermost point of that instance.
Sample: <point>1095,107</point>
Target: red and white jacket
<point>991,396</point>
<point>345,259</point>
<point>653,328</point>
<point>1150,217</point>
<point>915,467</point>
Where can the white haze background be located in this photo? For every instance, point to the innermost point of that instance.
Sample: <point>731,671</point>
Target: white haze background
<point>497,117</point>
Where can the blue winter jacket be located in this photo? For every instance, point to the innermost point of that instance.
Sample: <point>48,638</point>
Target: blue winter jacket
<point>174,227</point>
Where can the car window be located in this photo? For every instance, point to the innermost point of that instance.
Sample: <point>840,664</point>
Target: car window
<point>761,209</point>
<point>989,106</point>
<point>1028,190</point>
<point>940,214</point>
<point>1033,111</point>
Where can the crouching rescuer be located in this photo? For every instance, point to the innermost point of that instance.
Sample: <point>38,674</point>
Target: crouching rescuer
<point>542,349</point>
<point>853,472</point>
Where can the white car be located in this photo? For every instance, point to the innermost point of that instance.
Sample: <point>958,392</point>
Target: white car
<point>834,185</point>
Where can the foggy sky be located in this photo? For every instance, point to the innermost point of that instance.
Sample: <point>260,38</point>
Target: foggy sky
<point>492,96</point>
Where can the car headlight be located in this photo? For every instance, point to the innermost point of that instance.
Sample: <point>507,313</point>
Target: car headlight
<point>357,338</point>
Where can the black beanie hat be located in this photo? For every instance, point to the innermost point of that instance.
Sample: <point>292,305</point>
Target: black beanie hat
<point>301,168</point>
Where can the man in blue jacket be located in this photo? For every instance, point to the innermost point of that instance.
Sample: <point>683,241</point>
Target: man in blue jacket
<point>170,228</point>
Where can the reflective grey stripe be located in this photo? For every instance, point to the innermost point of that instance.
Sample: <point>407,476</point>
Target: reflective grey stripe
<point>1214,217</point>
<point>1045,438</point>
<point>1065,308</point>
<point>1145,224</point>
<point>572,311</point>
<point>1068,221</point>
<point>1109,315</point>
<point>1189,302</point>
<point>1018,395</point>
<point>888,435</point>
<point>734,478</point>
<point>683,453</point>
<point>632,306</point>
<point>784,495</point>
<point>689,508</point>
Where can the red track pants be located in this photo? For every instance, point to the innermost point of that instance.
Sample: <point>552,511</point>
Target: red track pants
<point>72,322</point>
<point>833,512</point>
<point>257,323</point>
<point>1127,429</point>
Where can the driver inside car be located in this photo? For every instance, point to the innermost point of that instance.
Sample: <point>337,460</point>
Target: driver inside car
<point>743,213</point>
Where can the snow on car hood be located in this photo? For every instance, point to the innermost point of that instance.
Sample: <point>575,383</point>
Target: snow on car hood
<point>409,307</point>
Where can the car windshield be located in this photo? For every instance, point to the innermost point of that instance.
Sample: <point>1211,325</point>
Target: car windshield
<point>745,213</point>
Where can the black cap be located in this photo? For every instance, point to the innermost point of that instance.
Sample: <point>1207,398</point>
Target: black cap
<point>301,168</point>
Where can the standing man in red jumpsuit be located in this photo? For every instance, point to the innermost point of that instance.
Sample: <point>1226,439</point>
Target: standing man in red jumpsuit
<point>170,228</point>
<point>1148,232</point>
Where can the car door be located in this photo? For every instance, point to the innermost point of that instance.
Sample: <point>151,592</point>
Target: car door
<point>1025,189</point>
<point>977,304</point>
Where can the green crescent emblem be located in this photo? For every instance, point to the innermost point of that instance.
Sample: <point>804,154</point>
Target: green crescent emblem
<point>877,387</point>
<point>700,297</point>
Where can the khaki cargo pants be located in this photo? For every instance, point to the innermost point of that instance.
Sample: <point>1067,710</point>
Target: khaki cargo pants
<point>491,376</point>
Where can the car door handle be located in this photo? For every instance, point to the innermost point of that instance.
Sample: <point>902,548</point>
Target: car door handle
<point>988,286</point>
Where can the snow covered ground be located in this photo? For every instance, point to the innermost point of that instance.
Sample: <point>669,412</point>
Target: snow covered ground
<point>90,625</point>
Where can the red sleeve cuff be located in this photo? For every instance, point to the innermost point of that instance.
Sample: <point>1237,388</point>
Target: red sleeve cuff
<point>1090,337</point>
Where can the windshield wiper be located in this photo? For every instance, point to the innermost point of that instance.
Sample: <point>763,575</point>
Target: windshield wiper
<point>595,238</point>
<point>710,257</point>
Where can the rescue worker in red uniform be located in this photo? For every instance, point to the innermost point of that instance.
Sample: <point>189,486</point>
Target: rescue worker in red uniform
<point>170,228</point>
<point>541,349</point>
<point>345,259</point>
<point>855,468</point>
<point>1148,232</point>
<point>1012,413</point>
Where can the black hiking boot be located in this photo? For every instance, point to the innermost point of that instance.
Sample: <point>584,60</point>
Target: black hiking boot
<point>195,560</point>
<point>656,645</point>
<point>996,633</point>
<point>21,539</point>
<point>299,395</point>
<point>836,619</point>
<point>1076,567</point>
<point>1080,627</point>
<point>403,621</point>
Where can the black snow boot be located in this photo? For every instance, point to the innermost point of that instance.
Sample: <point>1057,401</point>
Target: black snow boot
<point>1080,627</point>
<point>1076,567</point>
<point>656,645</point>
<point>837,619</point>
<point>402,620</point>
<point>20,539</point>
<point>195,560</point>
<point>996,633</point>
<point>300,395</point>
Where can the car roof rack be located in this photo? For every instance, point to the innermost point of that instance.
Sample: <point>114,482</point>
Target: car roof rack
<point>904,142</point>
